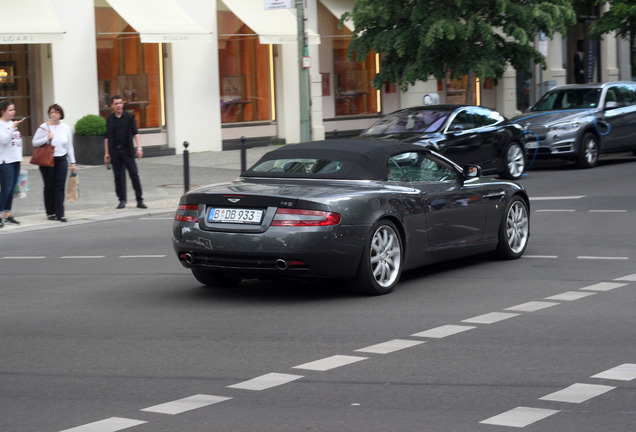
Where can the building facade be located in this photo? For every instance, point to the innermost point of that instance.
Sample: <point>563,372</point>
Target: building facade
<point>212,71</point>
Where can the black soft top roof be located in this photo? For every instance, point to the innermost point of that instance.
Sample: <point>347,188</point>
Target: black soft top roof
<point>363,159</point>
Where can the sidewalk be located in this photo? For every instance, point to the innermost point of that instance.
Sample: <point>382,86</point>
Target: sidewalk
<point>162,180</point>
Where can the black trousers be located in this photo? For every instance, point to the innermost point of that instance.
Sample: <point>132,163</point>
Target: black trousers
<point>55,186</point>
<point>122,161</point>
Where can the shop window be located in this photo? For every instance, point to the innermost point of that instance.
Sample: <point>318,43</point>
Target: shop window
<point>15,84</point>
<point>353,90</point>
<point>129,68</point>
<point>244,72</point>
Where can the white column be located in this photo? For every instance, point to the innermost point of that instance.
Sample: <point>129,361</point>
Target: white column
<point>192,96</point>
<point>287,93</point>
<point>71,80</point>
<point>193,102</point>
<point>554,62</point>
<point>507,93</point>
<point>315,79</point>
<point>608,49</point>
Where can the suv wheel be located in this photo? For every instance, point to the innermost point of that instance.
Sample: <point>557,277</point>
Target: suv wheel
<point>588,151</point>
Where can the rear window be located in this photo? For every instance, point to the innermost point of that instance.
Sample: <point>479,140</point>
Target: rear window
<point>299,166</point>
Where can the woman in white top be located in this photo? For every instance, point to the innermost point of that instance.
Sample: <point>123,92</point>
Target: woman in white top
<point>59,134</point>
<point>10,158</point>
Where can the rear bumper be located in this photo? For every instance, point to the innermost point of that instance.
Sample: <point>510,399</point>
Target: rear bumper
<point>306,252</point>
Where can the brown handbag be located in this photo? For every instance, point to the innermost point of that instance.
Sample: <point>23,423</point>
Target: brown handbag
<point>43,155</point>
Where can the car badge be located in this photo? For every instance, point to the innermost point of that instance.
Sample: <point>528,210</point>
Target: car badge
<point>234,200</point>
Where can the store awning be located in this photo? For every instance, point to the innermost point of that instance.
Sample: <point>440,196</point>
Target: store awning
<point>160,21</point>
<point>338,7</point>
<point>276,26</point>
<point>29,22</point>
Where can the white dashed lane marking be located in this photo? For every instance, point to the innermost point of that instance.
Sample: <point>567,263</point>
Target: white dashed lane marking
<point>142,256</point>
<point>390,346</point>
<point>443,331</point>
<point>629,278</point>
<point>490,318</point>
<point>112,424</point>
<point>604,286</point>
<point>82,257</point>
<point>531,306</point>
<point>330,362</point>
<point>570,296</point>
<point>624,372</point>
<point>577,393</point>
<point>520,417</point>
<point>264,382</point>
<point>584,257</point>
<point>22,257</point>
<point>186,404</point>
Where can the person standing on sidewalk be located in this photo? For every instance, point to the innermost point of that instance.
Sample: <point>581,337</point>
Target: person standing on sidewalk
<point>120,151</point>
<point>59,134</point>
<point>10,158</point>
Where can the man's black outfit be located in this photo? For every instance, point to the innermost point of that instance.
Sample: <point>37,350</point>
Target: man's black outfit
<point>120,132</point>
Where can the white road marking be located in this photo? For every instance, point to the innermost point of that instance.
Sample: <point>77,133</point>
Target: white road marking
<point>577,393</point>
<point>531,306</point>
<point>608,211</point>
<point>81,256</point>
<point>443,331</point>
<point>540,256</point>
<point>142,256</point>
<point>22,257</point>
<point>557,198</point>
<point>490,318</point>
<point>628,278</point>
<point>624,372</point>
<point>390,346</point>
<point>520,417</point>
<point>601,258</point>
<point>186,404</point>
<point>108,425</point>
<point>266,381</point>
<point>555,211</point>
<point>330,362</point>
<point>603,286</point>
<point>570,295</point>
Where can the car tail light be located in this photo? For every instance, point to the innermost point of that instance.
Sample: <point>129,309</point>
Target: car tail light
<point>182,210</point>
<point>296,217</point>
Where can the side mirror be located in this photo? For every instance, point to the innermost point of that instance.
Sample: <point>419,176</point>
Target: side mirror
<point>611,105</point>
<point>472,171</point>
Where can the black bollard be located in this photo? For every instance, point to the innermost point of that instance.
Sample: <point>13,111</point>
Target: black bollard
<point>186,167</point>
<point>243,155</point>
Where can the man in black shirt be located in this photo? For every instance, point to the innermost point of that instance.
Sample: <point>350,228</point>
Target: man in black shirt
<point>119,150</point>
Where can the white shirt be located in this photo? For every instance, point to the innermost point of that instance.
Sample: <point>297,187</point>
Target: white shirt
<point>62,139</point>
<point>10,143</point>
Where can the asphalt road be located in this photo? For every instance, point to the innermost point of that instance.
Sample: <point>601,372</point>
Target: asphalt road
<point>102,330</point>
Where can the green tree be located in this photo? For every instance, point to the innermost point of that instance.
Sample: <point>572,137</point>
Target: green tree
<point>620,18</point>
<point>418,39</point>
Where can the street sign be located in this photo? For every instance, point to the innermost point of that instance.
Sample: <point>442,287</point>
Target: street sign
<point>279,4</point>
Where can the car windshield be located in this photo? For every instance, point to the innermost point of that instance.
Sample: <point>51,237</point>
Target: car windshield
<point>583,98</point>
<point>425,121</point>
<point>298,166</point>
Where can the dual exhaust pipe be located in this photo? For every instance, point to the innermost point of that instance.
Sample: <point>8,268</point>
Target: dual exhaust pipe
<point>281,264</point>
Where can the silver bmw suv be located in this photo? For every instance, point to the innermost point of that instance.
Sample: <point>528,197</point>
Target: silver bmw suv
<point>581,121</point>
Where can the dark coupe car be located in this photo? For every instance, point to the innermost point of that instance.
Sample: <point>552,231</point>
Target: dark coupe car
<point>466,134</point>
<point>360,210</point>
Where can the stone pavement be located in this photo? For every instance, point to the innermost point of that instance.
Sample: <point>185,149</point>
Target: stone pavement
<point>162,180</point>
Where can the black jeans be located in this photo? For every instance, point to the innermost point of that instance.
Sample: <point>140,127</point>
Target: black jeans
<point>54,186</point>
<point>122,161</point>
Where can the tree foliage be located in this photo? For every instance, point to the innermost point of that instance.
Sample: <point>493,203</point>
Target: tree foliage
<point>621,17</point>
<point>422,38</point>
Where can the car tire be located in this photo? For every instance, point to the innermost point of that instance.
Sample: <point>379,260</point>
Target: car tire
<point>215,279</point>
<point>381,263</point>
<point>514,162</point>
<point>514,230</point>
<point>589,150</point>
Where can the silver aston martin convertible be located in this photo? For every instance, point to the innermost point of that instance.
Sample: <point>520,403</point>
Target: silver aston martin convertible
<point>359,210</point>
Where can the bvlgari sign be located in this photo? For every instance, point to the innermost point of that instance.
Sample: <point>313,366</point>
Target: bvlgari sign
<point>279,4</point>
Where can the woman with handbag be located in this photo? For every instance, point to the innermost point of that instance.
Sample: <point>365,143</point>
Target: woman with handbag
<point>60,135</point>
<point>10,158</point>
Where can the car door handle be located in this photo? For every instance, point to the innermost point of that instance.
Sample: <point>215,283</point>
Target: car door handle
<point>495,195</point>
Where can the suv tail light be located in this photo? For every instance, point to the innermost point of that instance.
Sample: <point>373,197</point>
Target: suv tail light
<point>296,217</point>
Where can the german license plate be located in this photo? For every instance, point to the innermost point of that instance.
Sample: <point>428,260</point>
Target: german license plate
<point>234,215</point>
